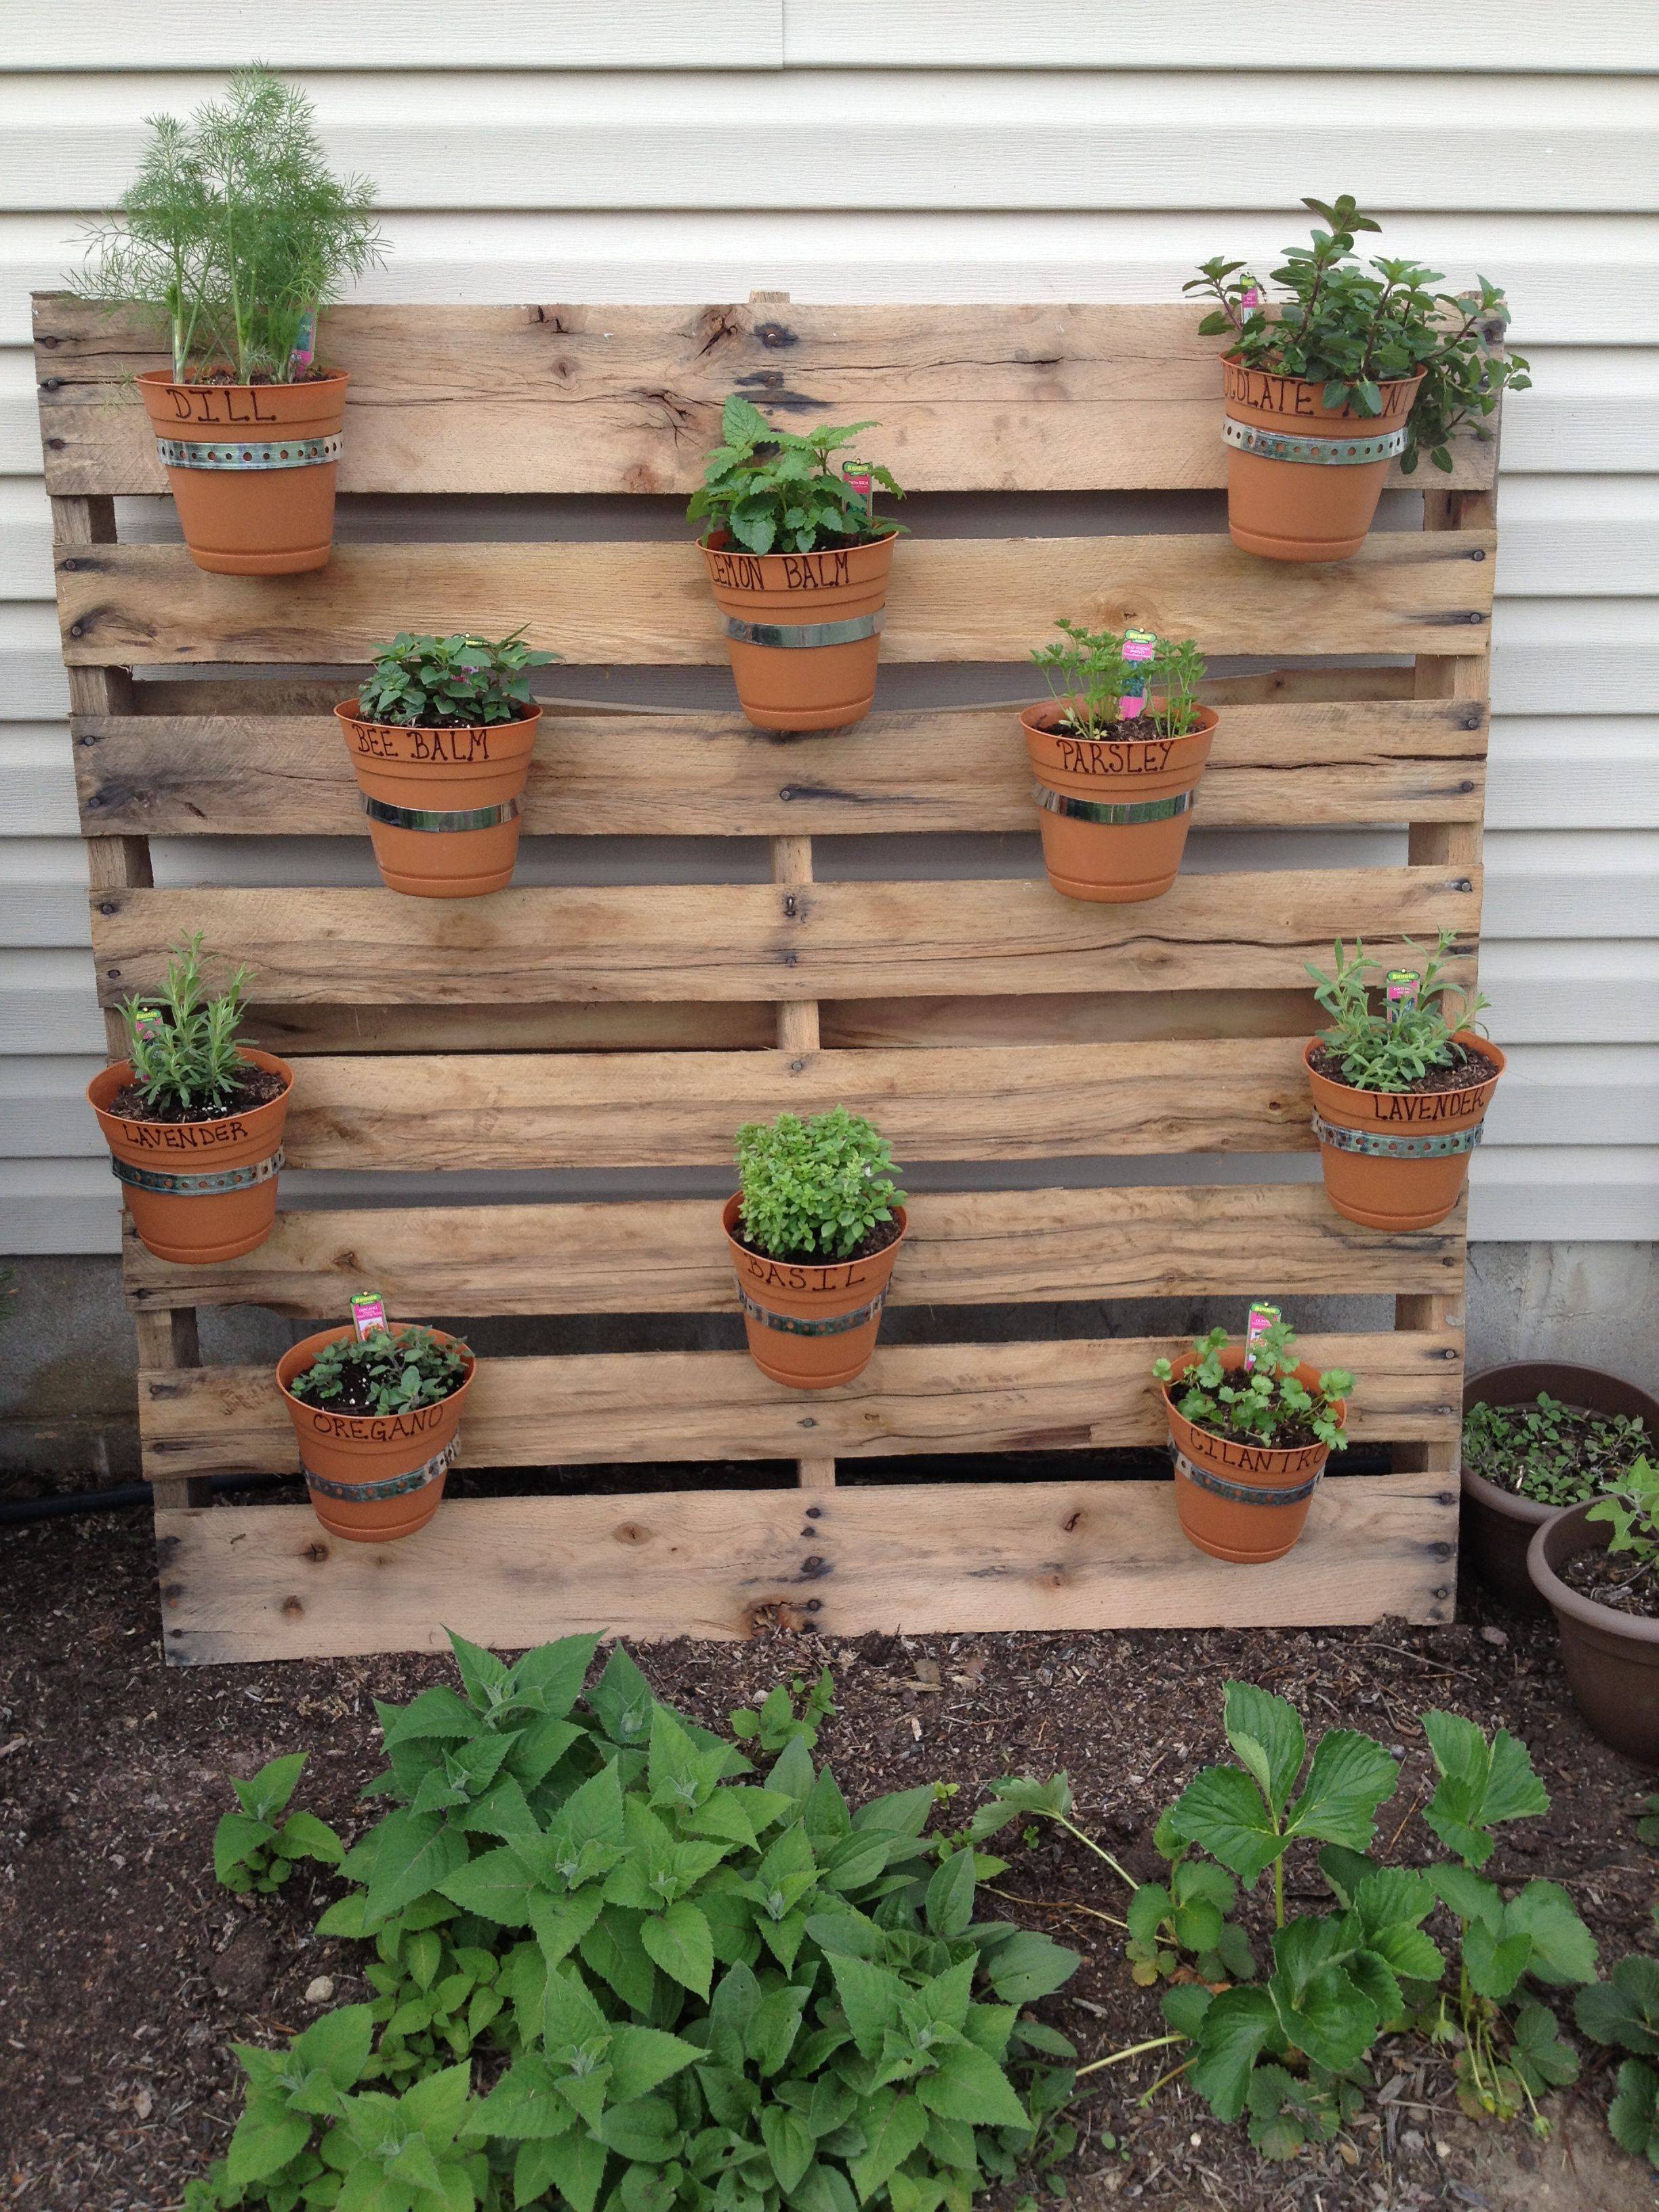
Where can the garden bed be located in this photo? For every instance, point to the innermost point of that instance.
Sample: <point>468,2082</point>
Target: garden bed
<point>125,1971</point>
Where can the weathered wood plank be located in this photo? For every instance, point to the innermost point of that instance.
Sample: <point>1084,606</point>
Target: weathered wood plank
<point>582,398</point>
<point>953,599</point>
<point>666,1109</point>
<point>712,775</point>
<point>265,1582</point>
<point>644,1407</point>
<point>966,1248</point>
<point>758,941</point>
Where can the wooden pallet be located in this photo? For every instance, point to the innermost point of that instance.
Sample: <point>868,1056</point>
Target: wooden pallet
<point>608,1028</point>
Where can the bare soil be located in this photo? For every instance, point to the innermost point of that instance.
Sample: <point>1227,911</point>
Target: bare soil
<point>1613,1579</point>
<point>125,1971</point>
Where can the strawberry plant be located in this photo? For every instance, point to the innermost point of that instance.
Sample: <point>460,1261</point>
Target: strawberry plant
<point>771,490</point>
<point>1379,1054</point>
<point>814,1189</point>
<point>1262,1404</point>
<point>387,1372</point>
<point>253,1849</point>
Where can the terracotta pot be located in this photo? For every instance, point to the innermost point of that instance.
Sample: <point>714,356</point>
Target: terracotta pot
<point>251,467</point>
<point>1497,1525</point>
<point>1612,1658</point>
<point>373,1477</point>
<point>1263,1523</point>
<point>800,1320</point>
<point>1399,1190</point>
<point>198,1192</point>
<point>443,805</point>
<point>1303,479</point>
<point>803,631</point>
<point>1113,813</point>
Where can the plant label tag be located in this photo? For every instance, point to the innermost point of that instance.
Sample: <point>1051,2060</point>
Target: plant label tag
<point>367,1313</point>
<point>1262,1318</point>
<point>1402,989</point>
<point>148,1022</point>
<point>304,346</point>
<point>857,477</point>
<point>1139,646</point>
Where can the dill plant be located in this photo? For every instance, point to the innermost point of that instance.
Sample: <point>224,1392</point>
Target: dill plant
<point>234,234</point>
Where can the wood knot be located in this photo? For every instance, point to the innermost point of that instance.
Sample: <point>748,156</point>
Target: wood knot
<point>631,1532</point>
<point>291,1607</point>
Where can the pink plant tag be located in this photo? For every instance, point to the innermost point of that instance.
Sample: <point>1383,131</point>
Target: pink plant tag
<point>856,476</point>
<point>304,346</point>
<point>147,1022</point>
<point>1262,1318</point>
<point>367,1312</point>
<point>1403,986</point>
<point>1250,298</point>
<point>1139,646</point>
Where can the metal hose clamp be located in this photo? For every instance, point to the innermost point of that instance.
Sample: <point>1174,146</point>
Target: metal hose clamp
<point>438,818</point>
<point>198,1186</point>
<point>256,453</point>
<point>1338,452</point>
<point>837,1325</point>
<point>1379,1146</point>
<point>796,634</point>
<point>1244,1493</point>
<point>394,1486</point>
<point>1119,814</point>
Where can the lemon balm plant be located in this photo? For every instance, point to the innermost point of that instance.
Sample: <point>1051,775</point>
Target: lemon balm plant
<point>772,490</point>
<point>233,237</point>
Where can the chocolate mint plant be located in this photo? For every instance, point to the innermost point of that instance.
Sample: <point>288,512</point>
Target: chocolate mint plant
<point>386,1371</point>
<point>1264,1404</point>
<point>817,1189</point>
<point>459,682</point>
<point>1353,327</point>
<point>1090,673</point>
<point>1376,1050</point>
<point>771,490</point>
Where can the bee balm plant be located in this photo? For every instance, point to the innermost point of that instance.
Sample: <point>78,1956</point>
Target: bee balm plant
<point>813,1234</point>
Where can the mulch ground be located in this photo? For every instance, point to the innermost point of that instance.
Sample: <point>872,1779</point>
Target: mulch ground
<point>125,1971</point>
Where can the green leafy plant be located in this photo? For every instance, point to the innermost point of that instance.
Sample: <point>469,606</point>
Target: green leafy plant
<point>183,1045</point>
<point>1630,1505</point>
<point>1352,328</point>
<point>234,234</point>
<point>253,1849</point>
<point>386,1371</point>
<point>771,490</point>
<point>1087,674</point>
<point>776,1723</point>
<point>1624,2011</point>
<point>814,1189</point>
<point>450,683</point>
<point>698,1990</point>
<point>1380,1055</point>
<point>1264,1404</point>
<point>1554,1453</point>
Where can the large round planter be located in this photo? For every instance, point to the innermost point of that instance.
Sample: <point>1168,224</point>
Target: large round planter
<point>443,805</point>
<point>198,1192</point>
<point>373,1477</point>
<point>1113,811</point>
<point>810,1327</point>
<point>1247,1504</point>
<point>1498,1525</point>
<point>1398,1159</point>
<point>803,631</point>
<point>1303,479</point>
<point>251,467</point>
<point>1612,1658</point>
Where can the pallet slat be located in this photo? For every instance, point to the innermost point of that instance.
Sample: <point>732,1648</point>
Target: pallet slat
<point>617,1407</point>
<point>951,599</point>
<point>265,1583</point>
<point>966,1248</point>
<point>1253,931</point>
<point>712,775</point>
<point>582,398</point>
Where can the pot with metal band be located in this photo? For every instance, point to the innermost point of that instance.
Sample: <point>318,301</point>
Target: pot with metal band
<point>252,468</point>
<point>199,1193</point>
<point>810,1325</point>
<point>444,805</point>
<point>1303,479</point>
<point>373,1477</point>
<point>1399,1159</point>
<point>1114,810</point>
<point>1239,1501</point>
<point>803,631</point>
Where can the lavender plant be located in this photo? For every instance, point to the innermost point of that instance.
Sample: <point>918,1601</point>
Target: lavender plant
<point>1378,1054</point>
<point>183,1045</point>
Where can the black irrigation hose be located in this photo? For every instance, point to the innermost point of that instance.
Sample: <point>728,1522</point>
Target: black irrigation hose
<point>25,1511</point>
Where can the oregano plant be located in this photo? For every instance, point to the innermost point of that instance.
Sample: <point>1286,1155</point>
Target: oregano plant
<point>390,1370</point>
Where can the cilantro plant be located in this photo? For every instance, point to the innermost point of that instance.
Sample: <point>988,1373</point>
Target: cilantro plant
<point>772,491</point>
<point>183,1045</point>
<point>1554,1453</point>
<point>235,233</point>
<point>384,1372</point>
<point>697,1989</point>
<point>1087,674</point>
<point>1380,1055</point>
<point>253,1849</point>
<point>1350,329</point>
<point>776,1724</point>
<point>1632,1506</point>
<point>814,1189</point>
<point>1258,1405</point>
<point>450,683</point>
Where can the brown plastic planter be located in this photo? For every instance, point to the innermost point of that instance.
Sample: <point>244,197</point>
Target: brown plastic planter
<point>809,1327</point>
<point>803,631</point>
<point>1114,813</point>
<point>252,468</point>
<point>1303,479</point>
<point>198,1192</point>
<point>443,805</point>
<point>1244,1503</point>
<point>1612,1658</point>
<point>1393,1189</point>
<point>1497,1525</point>
<point>373,1477</point>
